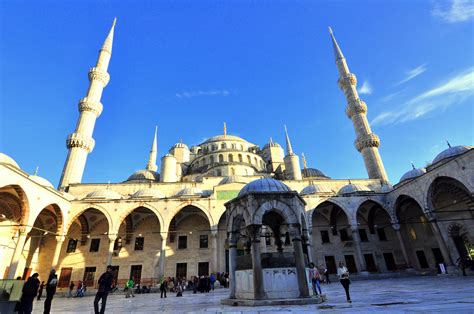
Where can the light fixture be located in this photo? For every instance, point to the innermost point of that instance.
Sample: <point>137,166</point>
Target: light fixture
<point>88,236</point>
<point>190,232</point>
<point>139,234</point>
<point>3,217</point>
<point>45,233</point>
<point>105,233</point>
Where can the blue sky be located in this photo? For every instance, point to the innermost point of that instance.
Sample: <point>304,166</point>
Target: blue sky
<point>187,66</point>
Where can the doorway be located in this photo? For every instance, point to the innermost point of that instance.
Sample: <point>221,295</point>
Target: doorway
<point>330,264</point>
<point>181,270</point>
<point>389,261</point>
<point>136,273</point>
<point>65,277</point>
<point>422,259</point>
<point>370,262</point>
<point>203,269</point>
<point>350,263</point>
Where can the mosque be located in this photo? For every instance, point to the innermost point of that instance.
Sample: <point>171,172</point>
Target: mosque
<point>173,221</point>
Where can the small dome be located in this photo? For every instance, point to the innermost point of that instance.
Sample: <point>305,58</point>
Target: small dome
<point>315,188</point>
<point>148,193</point>
<point>192,191</point>
<point>412,174</point>
<point>5,159</point>
<point>264,185</point>
<point>168,156</point>
<point>312,172</point>
<point>353,189</point>
<point>451,152</point>
<point>104,194</point>
<point>271,144</point>
<point>180,145</point>
<point>144,175</point>
<point>232,179</point>
<point>386,188</point>
<point>41,181</point>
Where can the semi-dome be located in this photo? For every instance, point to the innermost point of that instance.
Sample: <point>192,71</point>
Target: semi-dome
<point>264,185</point>
<point>451,152</point>
<point>41,181</point>
<point>412,174</point>
<point>144,175</point>
<point>232,179</point>
<point>5,159</point>
<point>104,194</point>
<point>352,188</point>
<point>315,188</point>
<point>148,193</point>
<point>312,172</point>
<point>192,191</point>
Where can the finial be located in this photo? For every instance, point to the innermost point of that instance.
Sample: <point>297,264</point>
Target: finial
<point>36,171</point>
<point>225,129</point>
<point>110,38</point>
<point>304,161</point>
<point>350,181</point>
<point>289,150</point>
<point>181,141</point>
<point>447,142</point>
<point>413,165</point>
<point>337,51</point>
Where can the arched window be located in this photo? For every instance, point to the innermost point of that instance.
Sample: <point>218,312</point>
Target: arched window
<point>249,160</point>
<point>218,172</point>
<point>241,147</point>
<point>240,158</point>
<point>232,171</point>
<point>211,159</point>
<point>256,162</point>
<point>221,158</point>
<point>231,158</point>
<point>234,146</point>
<point>223,146</point>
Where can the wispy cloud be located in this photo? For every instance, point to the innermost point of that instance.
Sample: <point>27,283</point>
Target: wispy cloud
<point>365,88</point>
<point>212,92</point>
<point>391,96</point>
<point>456,11</point>
<point>453,91</point>
<point>411,74</point>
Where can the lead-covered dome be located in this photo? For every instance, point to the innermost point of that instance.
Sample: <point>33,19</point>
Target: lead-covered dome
<point>264,185</point>
<point>5,159</point>
<point>232,179</point>
<point>192,191</point>
<point>412,174</point>
<point>451,152</point>
<point>148,193</point>
<point>104,194</point>
<point>352,188</point>
<point>41,181</point>
<point>180,145</point>
<point>144,175</point>
<point>315,188</point>
<point>225,138</point>
<point>312,173</point>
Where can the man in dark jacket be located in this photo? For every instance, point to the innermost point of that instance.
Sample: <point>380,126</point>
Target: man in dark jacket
<point>30,290</point>
<point>105,284</point>
<point>50,290</point>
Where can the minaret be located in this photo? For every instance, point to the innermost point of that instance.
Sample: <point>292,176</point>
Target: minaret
<point>80,143</point>
<point>366,142</point>
<point>152,160</point>
<point>292,162</point>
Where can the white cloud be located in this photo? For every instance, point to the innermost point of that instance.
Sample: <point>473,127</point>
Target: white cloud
<point>453,91</point>
<point>366,88</point>
<point>411,74</point>
<point>213,92</point>
<point>456,11</point>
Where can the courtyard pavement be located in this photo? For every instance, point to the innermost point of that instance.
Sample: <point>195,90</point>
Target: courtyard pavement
<point>400,295</point>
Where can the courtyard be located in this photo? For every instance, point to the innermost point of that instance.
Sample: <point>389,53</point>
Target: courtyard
<point>413,294</point>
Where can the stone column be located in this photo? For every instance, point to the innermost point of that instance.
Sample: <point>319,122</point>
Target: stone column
<point>258,288</point>
<point>215,252</point>
<point>232,265</point>
<point>17,253</point>
<point>306,237</point>
<point>57,251</point>
<point>162,261</point>
<point>396,227</point>
<point>358,250</point>
<point>300,266</point>
<point>442,244</point>
<point>111,249</point>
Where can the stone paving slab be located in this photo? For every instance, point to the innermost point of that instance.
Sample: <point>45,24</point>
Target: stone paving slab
<point>442,294</point>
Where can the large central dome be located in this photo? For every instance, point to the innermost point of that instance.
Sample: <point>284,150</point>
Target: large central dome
<point>223,138</point>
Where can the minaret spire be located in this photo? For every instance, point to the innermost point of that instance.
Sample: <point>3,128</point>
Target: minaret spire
<point>305,166</point>
<point>80,143</point>
<point>153,153</point>
<point>225,129</point>
<point>367,143</point>
<point>289,150</point>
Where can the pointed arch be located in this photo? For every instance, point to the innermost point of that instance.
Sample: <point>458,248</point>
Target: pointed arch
<point>83,209</point>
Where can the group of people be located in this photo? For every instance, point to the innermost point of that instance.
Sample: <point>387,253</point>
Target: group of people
<point>317,278</point>
<point>33,289</point>
<point>81,289</point>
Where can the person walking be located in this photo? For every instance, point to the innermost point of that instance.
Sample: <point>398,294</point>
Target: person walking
<point>40,291</point>
<point>163,287</point>
<point>105,284</point>
<point>51,285</point>
<point>130,285</point>
<point>212,280</point>
<point>315,278</point>
<point>343,275</point>
<point>29,292</point>
<point>71,288</point>
<point>326,275</point>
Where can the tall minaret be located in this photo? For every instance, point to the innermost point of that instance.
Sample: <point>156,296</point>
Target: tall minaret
<point>292,161</point>
<point>80,143</point>
<point>367,143</point>
<point>152,160</point>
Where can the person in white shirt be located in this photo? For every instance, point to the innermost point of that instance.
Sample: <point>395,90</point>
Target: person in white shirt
<point>343,275</point>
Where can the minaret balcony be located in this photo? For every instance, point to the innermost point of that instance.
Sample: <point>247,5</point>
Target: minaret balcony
<point>366,141</point>
<point>80,141</point>
<point>97,74</point>
<point>347,81</point>
<point>86,105</point>
<point>355,106</point>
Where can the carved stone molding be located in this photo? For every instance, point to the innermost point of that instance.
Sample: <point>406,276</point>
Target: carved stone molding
<point>356,107</point>
<point>86,105</point>
<point>369,140</point>
<point>81,141</point>
<point>99,75</point>
<point>347,81</point>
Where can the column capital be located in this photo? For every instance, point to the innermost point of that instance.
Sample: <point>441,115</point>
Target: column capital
<point>112,237</point>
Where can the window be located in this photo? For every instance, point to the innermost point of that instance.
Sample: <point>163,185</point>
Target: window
<point>382,235</point>
<point>256,162</point>
<point>211,159</point>
<point>223,146</point>
<point>203,269</point>
<point>71,246</point>
<point>232,171</point>
<point>221,158</point>
<point>234,146</point>
<point>231,158</point>
<point>139,242</point>
<point>181,270</point>
<point>118,244</point>
<point>136,273</point>
<point>343,234</point>
<point>325,236</point>
<point>240,158</point>
<point>363,235</point>
<point>182,242</point>
<point>89,274</point>
<point>287,238</point>
<point>95,244</point>
<point>268,239</point>
<point>203,241</point>
<point>249,160</point>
